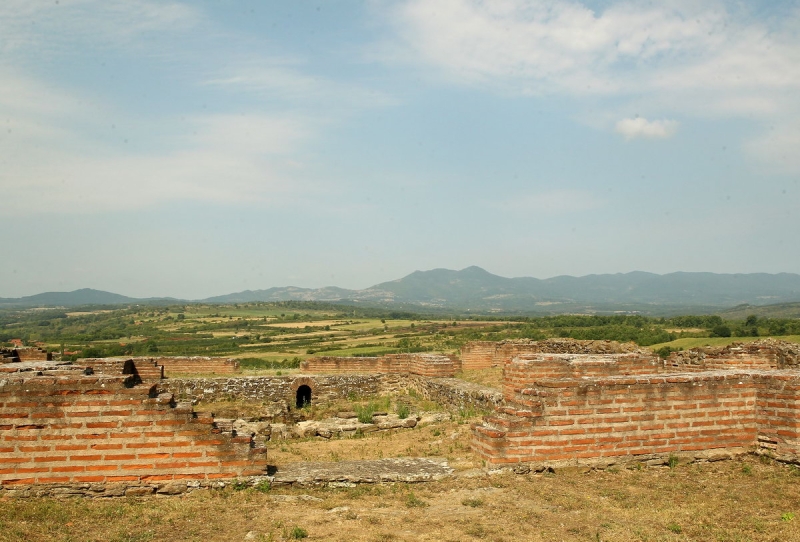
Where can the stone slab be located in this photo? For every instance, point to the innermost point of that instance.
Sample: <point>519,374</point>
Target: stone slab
<point>411,469</point>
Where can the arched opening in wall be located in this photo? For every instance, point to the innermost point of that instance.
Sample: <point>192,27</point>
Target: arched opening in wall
<point>303,396</point>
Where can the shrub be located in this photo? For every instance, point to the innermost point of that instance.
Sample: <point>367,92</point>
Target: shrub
<point>298,533</point>
<point>402,411</point>
<point>365,412</point>
<point>412,501</point>
<point>672,461</point>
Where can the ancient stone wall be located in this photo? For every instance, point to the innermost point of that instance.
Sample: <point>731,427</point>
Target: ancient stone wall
<point>65,432</point>
<point>455,393</point>
<point>282,389</point>
<point>484,354</point>
<point>431,365</point>
<point>763,354</point>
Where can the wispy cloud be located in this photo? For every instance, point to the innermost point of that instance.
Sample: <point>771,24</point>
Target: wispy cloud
<point>277,79</point>
<point>641,127</point>
<point>62,147</point>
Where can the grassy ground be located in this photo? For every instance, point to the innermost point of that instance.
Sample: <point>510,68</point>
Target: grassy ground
<point>726,501</point>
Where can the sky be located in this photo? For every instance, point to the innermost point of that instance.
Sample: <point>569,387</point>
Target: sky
<point>191,149</point>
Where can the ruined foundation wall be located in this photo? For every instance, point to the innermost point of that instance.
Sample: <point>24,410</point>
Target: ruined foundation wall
<point>197,364</point>
<point>33,354</point>
<point>144,368</point>
<point>763,354</point>
<point>420,364</point>
<point>98,435</point>
<point>281,389</point>
<point>528,368</point>
<point>455,393</point>
<point>485,354</point>
<point>155,368</point>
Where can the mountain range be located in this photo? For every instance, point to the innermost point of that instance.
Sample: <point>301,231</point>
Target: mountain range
<point>475,289</point>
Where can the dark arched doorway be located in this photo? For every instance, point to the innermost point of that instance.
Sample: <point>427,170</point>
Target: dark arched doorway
<point>303,396</point>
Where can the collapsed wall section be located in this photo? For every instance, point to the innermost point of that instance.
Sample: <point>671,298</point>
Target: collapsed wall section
<point>103,435</point>
<point>431,365</point>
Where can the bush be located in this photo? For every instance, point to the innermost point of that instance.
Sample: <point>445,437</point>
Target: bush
<point>721,331</point>
<point>298,533</point>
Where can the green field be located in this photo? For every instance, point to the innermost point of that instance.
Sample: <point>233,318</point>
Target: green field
<point>277,336</point>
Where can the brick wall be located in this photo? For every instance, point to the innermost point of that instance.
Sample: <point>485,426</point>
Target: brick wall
<point>91,433</point>
<point>33,354</point>
<point>478,355</point>
<point>155,368</point>
<point>144,369</point>
<point>197,365</point>
<point>601,410</point>
<point>431,365</point>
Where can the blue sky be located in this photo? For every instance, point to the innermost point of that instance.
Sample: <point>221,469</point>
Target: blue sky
<point>199,148</point>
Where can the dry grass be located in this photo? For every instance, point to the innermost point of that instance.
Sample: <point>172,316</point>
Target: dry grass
<point>721,501</point>
<point>726,501</point>
<point>492,377</point>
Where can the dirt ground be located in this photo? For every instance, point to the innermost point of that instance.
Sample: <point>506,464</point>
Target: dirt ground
<point>742,500</point>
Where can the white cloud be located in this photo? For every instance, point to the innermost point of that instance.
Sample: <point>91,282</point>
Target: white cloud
<point>714,59</point>
<point>641,127</point>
